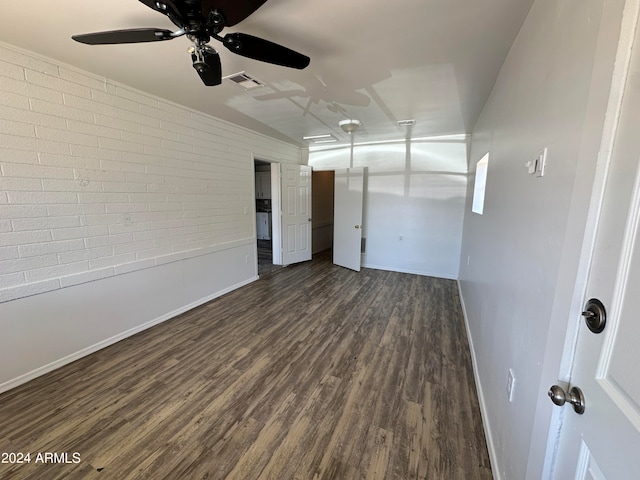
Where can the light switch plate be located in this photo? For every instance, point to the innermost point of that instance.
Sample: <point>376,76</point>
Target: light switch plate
<point>538,165</point>
<point>541,162</point>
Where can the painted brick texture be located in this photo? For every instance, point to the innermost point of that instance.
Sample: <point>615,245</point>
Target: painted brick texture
<point>98,179</point>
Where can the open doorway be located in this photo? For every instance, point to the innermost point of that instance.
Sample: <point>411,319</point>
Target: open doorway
<point>268,204</point>
<point>322,205</point>
<point>338,208</point>
<point>264,217</point>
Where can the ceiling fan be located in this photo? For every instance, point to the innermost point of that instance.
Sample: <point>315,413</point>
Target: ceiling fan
<point>201,20</point>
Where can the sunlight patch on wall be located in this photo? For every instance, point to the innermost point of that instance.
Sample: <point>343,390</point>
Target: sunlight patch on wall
<point>480,185</point>
<point>438,187</point>
<point>383,158</point>
<point>443,156</point>
<point>414,201</point>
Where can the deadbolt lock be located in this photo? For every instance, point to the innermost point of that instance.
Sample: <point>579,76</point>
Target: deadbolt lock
<point>595,315</point>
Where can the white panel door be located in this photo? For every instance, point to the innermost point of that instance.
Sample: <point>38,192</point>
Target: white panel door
<point>604,442</point>
<point>347,221</point>
<point>296,213</point>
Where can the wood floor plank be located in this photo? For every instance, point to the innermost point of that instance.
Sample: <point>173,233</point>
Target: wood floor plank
<point>312,372</point>
<point>379,451</point>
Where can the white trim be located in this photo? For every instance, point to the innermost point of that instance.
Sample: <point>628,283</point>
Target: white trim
<point>328,223</point>
<point>116,338</point>
<point>276,213</point>
<point>49,285</point>
<point>456,137</point>
<point>488,435</point>
<point>423,273</point>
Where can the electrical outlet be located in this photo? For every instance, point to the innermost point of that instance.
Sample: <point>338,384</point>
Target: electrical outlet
<point>511,383</point>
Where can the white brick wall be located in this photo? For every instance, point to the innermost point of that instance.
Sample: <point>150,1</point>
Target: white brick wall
<point>97,179</point>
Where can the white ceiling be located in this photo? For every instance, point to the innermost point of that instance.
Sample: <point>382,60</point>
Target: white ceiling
<point>378,61</point>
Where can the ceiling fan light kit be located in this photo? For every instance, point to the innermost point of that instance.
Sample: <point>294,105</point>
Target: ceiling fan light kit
<point>200,21</point>
<point>349,125</point>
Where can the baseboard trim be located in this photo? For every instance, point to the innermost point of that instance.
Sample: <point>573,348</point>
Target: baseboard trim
<point>22,379</point>
<point>491,447</point>
<point>413,272</point>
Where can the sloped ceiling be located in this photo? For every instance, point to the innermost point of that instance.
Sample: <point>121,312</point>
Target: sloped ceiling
<point>434,61</point>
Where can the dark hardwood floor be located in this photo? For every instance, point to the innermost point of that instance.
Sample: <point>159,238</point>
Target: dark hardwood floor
<point>314,372</point>
<point>265,258</point>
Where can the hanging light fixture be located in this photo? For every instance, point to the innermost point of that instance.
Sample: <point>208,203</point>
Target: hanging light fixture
<point>349,125</point>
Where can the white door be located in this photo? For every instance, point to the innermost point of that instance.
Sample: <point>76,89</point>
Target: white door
<point>296,213</point>
<point>347,218</point>
<point>604,442</point>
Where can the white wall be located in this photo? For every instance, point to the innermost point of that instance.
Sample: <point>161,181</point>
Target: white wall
<point>519,260</point>
<point>412,190</point>
<point>103,184</point>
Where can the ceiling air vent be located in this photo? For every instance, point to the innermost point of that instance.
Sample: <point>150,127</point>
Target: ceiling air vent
<point>244,80</point>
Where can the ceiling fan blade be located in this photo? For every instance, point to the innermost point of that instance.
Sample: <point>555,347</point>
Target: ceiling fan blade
<point>264,50</point>
<point>209,67</point>
<point>168,8</point>
<point>234,10</point>
<point>134,35</point>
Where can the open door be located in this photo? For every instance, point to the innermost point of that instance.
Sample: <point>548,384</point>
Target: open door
<point>347,222</point>
<point>603,442</point>
<point>296,213</point>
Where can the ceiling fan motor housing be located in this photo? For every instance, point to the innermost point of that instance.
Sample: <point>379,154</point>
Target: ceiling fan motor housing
<point>216,20</point>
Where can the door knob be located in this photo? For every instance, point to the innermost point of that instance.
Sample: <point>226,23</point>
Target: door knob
<point>576,398</point>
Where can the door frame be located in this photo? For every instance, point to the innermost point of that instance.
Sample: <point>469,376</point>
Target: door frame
<point>594,157</point>
<point>276,240</point>
<point>276,213</point>
<point>365,187</point>
<point>321,169</point>
<point>340,259</point>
